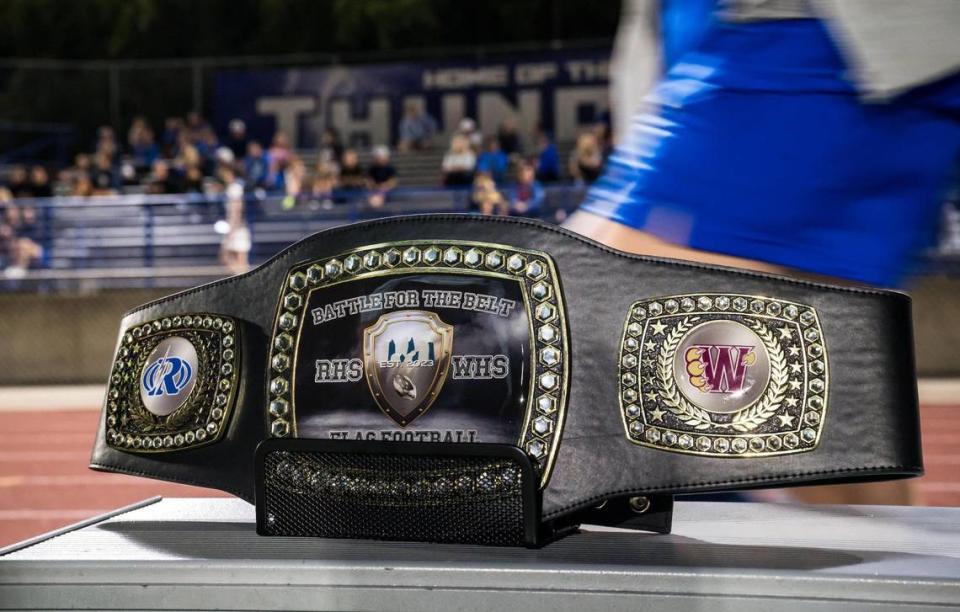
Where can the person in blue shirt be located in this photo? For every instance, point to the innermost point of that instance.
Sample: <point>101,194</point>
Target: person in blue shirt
<point>256,165</point>
<point>493,160</point>
<point>548,158</point>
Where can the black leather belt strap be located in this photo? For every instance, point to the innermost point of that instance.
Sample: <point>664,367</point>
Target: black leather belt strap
<point>618,375</point>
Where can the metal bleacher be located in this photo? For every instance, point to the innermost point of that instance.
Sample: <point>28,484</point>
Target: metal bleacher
<point>168,241</point>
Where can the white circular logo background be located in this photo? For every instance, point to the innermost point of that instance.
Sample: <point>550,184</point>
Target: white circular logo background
<point>169,376</point>
<point>722,366</point>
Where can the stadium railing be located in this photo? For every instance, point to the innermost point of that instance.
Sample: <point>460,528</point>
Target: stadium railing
<point>171,240</point>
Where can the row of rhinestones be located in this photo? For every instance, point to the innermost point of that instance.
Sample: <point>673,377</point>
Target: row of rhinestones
<point>533,270</point>
<point>224,383</point>
<point>812,416</point>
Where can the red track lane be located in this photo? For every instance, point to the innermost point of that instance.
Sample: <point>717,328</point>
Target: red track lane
<point>44,479</point>
<point>45,482</point>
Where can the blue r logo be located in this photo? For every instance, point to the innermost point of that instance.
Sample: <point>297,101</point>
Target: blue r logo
<point>167,376</point>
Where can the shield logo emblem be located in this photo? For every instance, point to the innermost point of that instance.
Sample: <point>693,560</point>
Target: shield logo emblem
<point>406,357</point>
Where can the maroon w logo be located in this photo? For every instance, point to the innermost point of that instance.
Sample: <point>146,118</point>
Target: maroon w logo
<point>718,368</point>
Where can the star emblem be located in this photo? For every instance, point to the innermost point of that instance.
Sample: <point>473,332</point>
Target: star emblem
<point>650,345</point>
<point>785,332</point>
<point>657,414</point>
<point>657,327</point>
<point>786,420</point>
<point>794,384</point>
<point>651,396</point>
<point>795,368</point>
<point>648,363</point>
<point>794,350</point>
<point>791,402</point>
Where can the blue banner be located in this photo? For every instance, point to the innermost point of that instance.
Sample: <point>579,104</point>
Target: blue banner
<point>564,92</point>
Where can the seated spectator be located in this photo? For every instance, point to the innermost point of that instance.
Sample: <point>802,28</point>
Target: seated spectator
<point>81,186</point>
<point>509,138</point>
<point>173,127</point>
<point>40,182</point>
<point>485,198</point>
<point>459,162</point>
<point>237,140</point>
<point>330,145</point>
<point>187,154</point>
<point>528,195</point>
<point>18,183</point>
<point>105,180</point>
<point>294,175</point>
<point>127,173</point>
<point>417,129</point>
<point>256,165</point>
<point>19,236</point>
<point>196,127</point>
<point>161,180</point>
<point>143,149</point>
<point>107,143</point>
<point>277,155</point>
<point>192,179</point>
<point>468,129</point>
<point>323,191</point>
<point>207,147</point>
<point>586,160</point>
<point>493,161</point>
<point>382,175</point>
<point>548,158</point>
<point>352,176</point>
<point>81,166</point>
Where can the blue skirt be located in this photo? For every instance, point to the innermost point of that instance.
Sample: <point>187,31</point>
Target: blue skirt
<point>756,145</point>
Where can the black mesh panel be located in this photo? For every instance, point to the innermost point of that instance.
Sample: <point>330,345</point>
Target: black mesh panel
<point>419,497</point>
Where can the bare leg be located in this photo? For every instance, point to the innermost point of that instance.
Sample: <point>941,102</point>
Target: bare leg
<point>625,238</point>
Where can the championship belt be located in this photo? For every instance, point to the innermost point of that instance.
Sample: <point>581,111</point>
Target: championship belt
<point>495,380</point>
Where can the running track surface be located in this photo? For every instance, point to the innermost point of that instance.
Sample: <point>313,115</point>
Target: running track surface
<point>45,482</point>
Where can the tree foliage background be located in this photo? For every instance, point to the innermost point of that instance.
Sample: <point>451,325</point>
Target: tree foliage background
<point>136,29</point>
<point>47,46</point>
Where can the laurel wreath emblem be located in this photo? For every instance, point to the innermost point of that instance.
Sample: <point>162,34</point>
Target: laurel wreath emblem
<point>744,420</point>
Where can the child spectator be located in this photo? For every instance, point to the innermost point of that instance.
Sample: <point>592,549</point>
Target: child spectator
<point>294,176</point>
<point>235,248</point>
<point>485,198</point>
<point>528,195</point>
<point>459,162</point>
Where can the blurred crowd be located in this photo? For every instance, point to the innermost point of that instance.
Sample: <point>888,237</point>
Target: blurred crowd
<point>503,170</point>
<point>189,156</point>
